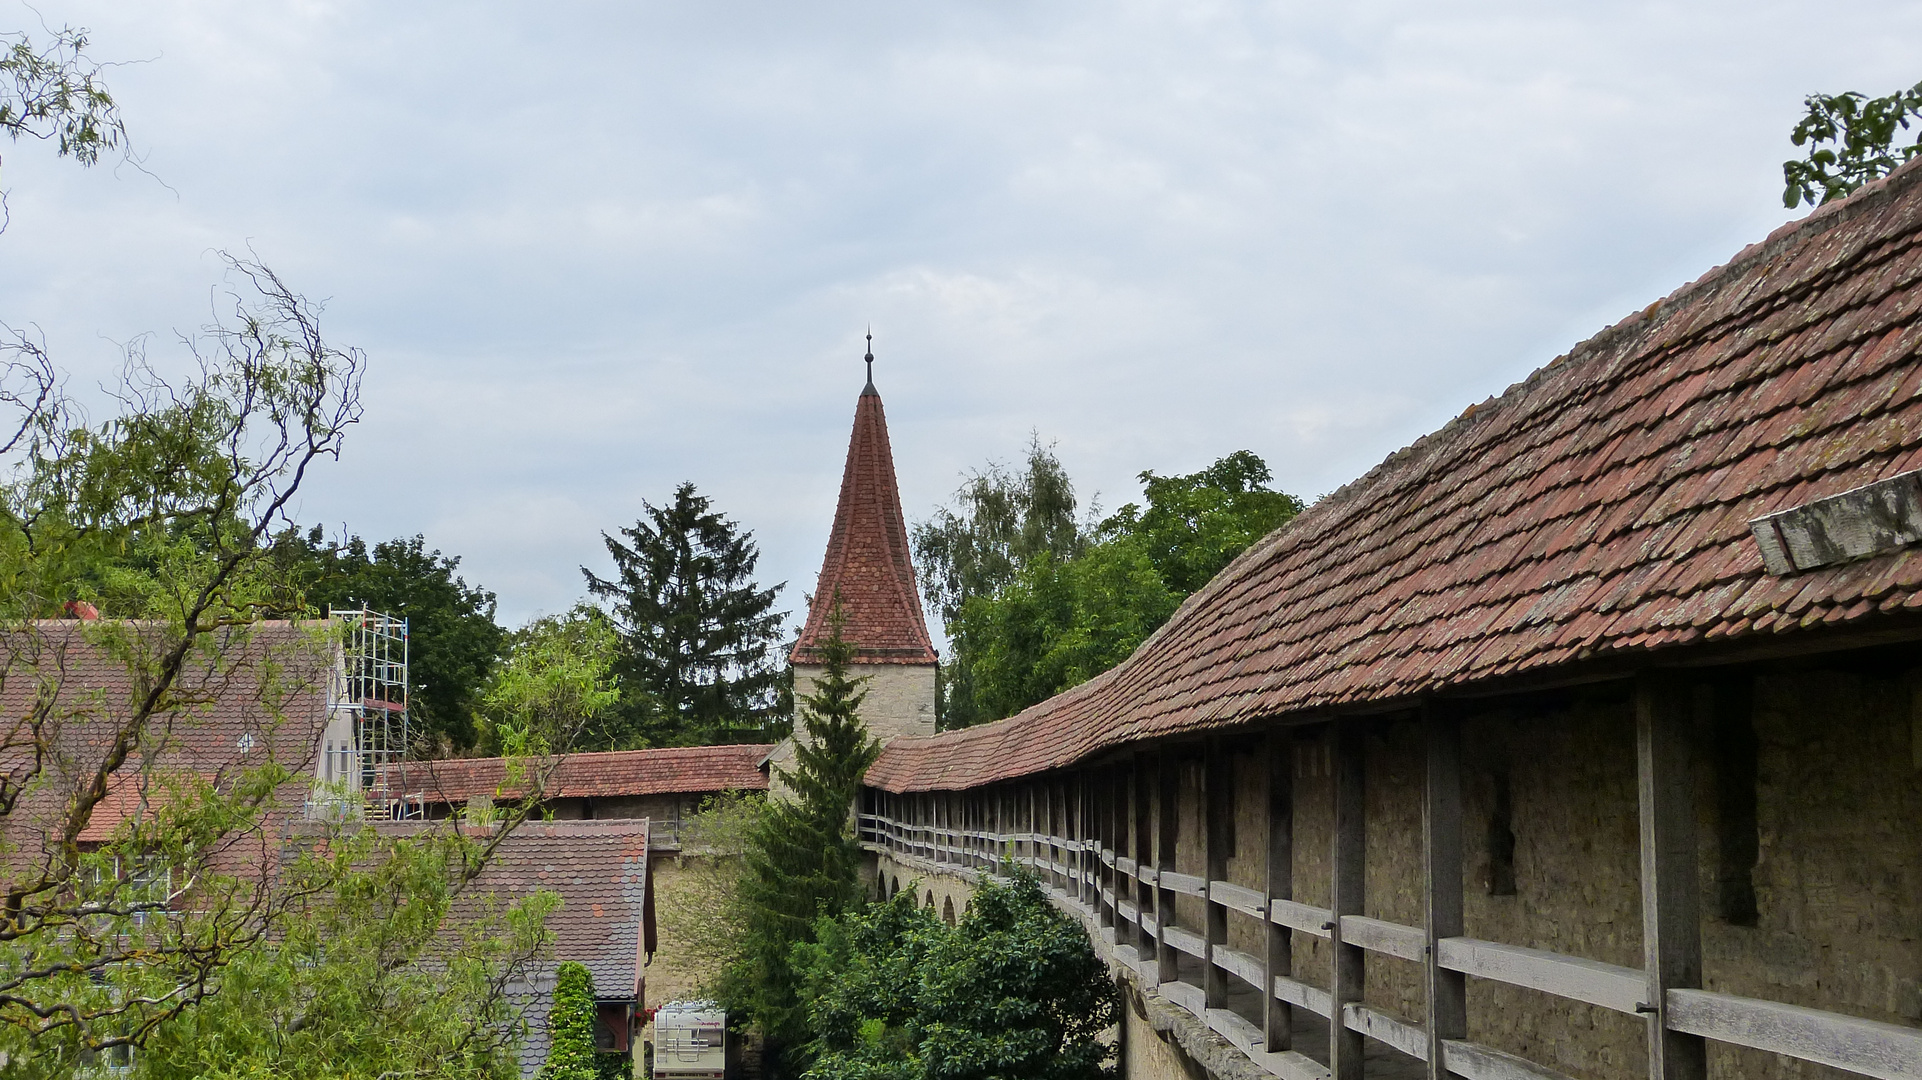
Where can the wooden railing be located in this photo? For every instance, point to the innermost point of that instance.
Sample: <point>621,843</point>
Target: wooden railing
<point>1096,883</point>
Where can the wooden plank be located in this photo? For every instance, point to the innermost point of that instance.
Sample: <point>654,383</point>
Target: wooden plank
<point>1278,765</point>
<point>1167,841</point>
<point>1217,831</point>
<point>1301,995</point>
<point>1376,935</point>
<point>1671,877</point>
<point>1291,1065</point>
<point>1230,1025</point>
<point>1868,1047</point>
<point>1608,985</point>
<point>1384,1028</point>
<point>1472,1061</point>
<point>1186,940</point>
<point>1298,916</point>
<point>1447,998</point>
<point>1186,995</point>
<point>1246,901</point>
<point>1185,884</point>
<point>1348,880</point>
<point>1241,965</point>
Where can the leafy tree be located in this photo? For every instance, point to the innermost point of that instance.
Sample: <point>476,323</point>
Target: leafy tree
<point>570,1051</point>
<point>1013,991</point>
<point>803,860</point>
<point>1004,522</point>
<point>696,633</point>
<point>386,965</point>
<point>453,640</point>
<point>1058,618</point>
<point>1851,140</point>
<point>52,92</point>
<point>556,691</point>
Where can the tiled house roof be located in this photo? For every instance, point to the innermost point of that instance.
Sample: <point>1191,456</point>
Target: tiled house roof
<point>867,564</point>
<point>601,775</point>
<point>1595,512</point>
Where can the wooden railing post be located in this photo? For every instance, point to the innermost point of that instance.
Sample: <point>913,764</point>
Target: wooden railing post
<point>1144,854</point>
<point>1277,1026</point>
<point>1167,837</point>
<point>1218,810</point>
<point>1671,886</point>
<point>1348,871</point>
<point>1442,873</point>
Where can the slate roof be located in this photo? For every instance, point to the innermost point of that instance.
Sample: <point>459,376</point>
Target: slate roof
<point>667,770</point>
<point>265,701</point>
<point>1597,510</point>
<point>867,563</point>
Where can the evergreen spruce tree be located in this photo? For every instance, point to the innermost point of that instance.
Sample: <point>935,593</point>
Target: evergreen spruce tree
<point>696,633</point>
<point>570,1053</point>
<point>803,857</point>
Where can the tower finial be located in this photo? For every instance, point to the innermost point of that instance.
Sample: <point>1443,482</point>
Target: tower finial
<point>870,356</point>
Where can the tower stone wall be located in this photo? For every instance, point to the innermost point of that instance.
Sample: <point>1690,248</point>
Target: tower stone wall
<point>900,697</point>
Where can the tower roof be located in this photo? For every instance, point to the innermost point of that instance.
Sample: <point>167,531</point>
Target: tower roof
<point>867,563</point>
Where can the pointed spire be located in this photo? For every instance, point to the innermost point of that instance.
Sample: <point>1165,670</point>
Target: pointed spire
<point>868,564</point>
<point>869,388</point>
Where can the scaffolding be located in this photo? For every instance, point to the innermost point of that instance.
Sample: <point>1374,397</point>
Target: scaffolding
<point>374,695</point>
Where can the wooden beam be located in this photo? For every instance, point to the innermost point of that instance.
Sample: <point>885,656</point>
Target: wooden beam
<point>1348,874</point>
<point>1277,753</point>
<point>1144,854</point>
<point>1217,823</point>
<point>1671,885</point>
<point>1447,1013</point>
<point>1167,837</point>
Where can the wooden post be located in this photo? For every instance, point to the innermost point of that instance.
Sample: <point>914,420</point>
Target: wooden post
<point>1349,877</point>
<point>1144,854</point>
<point>1277,1026</point>
<point>1217,823</point>
<point>1442,872</point>
<point>1167,838</point>
<point>1671,886</point>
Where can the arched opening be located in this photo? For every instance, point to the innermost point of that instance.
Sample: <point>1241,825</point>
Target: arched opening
<point>947,911</point>
<point>930,901</point>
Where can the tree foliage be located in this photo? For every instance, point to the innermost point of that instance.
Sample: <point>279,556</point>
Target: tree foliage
<point>557,689</point>
<point>1013,991</point>
<point>453,640</point>
<point>52,91</point>
<point>1851,140</point>
<point>802,859</point>
<point>570,1049</point>
<point>1033,610</point>
<point>696,664</point>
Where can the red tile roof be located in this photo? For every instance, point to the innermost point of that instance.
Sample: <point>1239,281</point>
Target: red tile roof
<point>867,563</point>
<point>601,775</point>
<point>1596,510</point>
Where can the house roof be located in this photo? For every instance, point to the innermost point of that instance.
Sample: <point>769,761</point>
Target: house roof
<point>867,563</point>
<point>1597,510</point>
<point>611,774</point>
<point>606,919</point>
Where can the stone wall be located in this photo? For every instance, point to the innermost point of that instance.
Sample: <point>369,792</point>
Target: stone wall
<point>900,697</point>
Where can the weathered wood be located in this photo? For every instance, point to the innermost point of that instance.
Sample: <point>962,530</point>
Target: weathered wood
<point>1868,1047</point>
<point>1298,916</point>
<point>1186,996</point>
<point>1185,884</point>
<point>1447,999</point>
<point>1244,966</point>
<point>1143,836</point>
<point>1377,935</point>
<point>1236,898</point>
<point>1301,995</point>
<point>1218,812</point>
<point>1671,884</point>
<point>1167,837</point>
<point>1608,985</point>
<point>1186,940</point>
<point>1472,1061</point>
<point>1279,873</point>
<point>1409,1038</point>
<point>1290,1065</point>
<point>1348,879</point>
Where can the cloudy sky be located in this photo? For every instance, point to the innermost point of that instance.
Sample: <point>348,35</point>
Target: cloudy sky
<point>594,249</point>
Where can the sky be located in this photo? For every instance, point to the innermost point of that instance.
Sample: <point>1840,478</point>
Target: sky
<point>593,250</point>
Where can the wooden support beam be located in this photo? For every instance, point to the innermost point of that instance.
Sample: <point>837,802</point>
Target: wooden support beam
<point>1447,1016</point>
<point>1278,754</point>
<point>1671,886</point>
<point>1167,837</point>
<point>1141,782</point>
<point>1348,873</point>
<point>1217,825</point>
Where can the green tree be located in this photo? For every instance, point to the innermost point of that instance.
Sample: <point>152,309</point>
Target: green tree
<point>453,640</point>
<point>802,859</point>
<point>1002,523</point>
<point>51,91</point>
<point>1851,140</point>
<point>1058,619</point>
<point>697,634</point>
<point>556,691</point>
<point>1013,991</point>
<point>570,1050</point>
